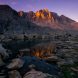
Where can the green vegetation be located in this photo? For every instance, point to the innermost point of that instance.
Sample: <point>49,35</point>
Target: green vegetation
<point>68,72</point>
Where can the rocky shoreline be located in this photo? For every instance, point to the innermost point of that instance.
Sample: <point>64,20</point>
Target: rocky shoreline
<point>49,59</point>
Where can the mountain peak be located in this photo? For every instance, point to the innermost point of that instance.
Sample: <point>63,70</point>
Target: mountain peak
<point>43,18</point>
<point>43,13</point>
<point>4,7</point>
<point>20,13</point>
<point>43,10</point>
<point>46,10</point>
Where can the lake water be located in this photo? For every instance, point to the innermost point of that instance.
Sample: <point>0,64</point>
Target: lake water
<point>20,44</point>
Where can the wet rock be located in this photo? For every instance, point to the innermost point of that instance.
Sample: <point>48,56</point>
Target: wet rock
<point>19,36</point>
<point>52,59</point>
<point>36,74</point>
<point>16,63</point>
<point>14,74</point>
<point>74,69</point>
<point>67,61</point>
<point>41,65</point>
<point>3,52</point>
<point>24,52</point>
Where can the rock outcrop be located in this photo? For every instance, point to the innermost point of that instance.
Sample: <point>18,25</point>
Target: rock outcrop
<point>13,22</point>
<point>20,13</point>
<point>45,18</point>
<point>16,63</point>
<point>3,52</point>
<point>14,74</point>
<point>40,65</point>
<point>37,74</point>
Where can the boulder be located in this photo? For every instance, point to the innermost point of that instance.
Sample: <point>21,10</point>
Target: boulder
<point>36,74</point>
<point>52,59</point>
<point>67,61</point>
<point>14,74</point>
<point>23,64</point>
<point>3,51</point>
<point>16,63</point>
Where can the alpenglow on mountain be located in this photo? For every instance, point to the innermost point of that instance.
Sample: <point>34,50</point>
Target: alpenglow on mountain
<point>45,18</point>
<point>13,21</point>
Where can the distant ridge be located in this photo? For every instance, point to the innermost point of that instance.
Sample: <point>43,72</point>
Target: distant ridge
<point>41,21</point>
<point>45,18</point>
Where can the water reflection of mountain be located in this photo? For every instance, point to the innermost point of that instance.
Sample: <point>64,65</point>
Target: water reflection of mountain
<point>33,47</point>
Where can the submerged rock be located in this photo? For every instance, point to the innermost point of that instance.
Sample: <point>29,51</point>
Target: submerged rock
<point>36,74</point>
<point>40,65</point>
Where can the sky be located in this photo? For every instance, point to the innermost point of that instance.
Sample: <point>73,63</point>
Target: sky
<point>68,8</point>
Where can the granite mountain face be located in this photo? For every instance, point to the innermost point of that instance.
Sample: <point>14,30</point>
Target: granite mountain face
<point>45,18</point>
<point>12,21</point>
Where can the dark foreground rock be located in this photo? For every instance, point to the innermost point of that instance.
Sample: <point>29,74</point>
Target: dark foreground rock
<point>22,64</point>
